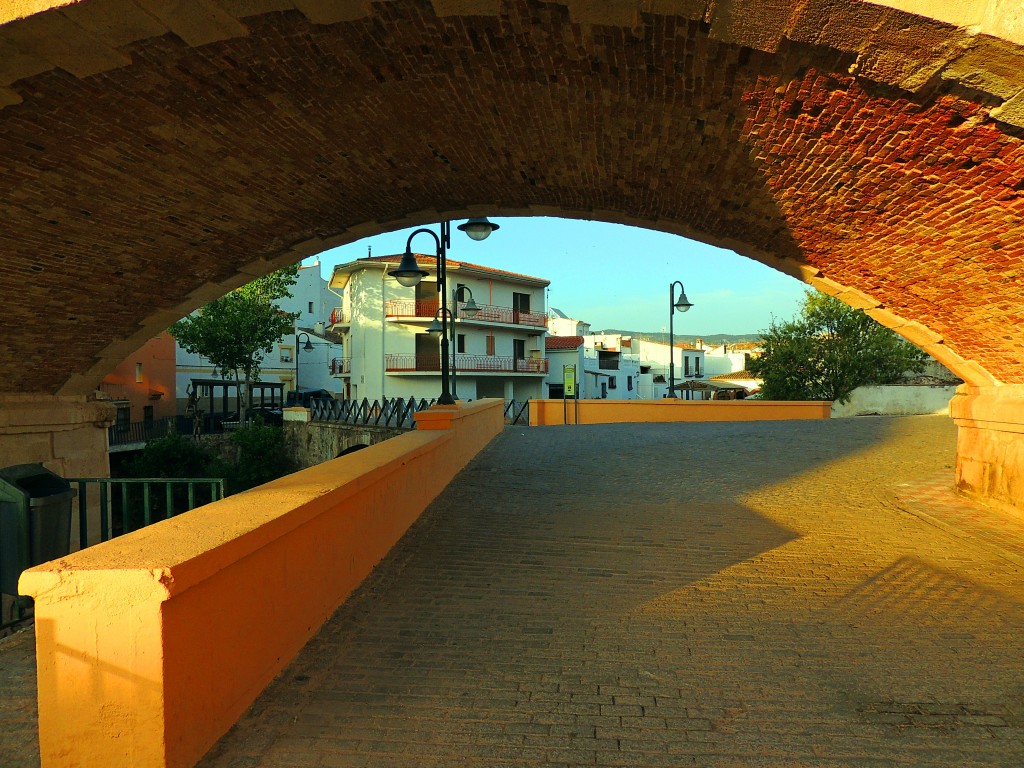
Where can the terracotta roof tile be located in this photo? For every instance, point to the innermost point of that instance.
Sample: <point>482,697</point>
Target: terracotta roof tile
<point>563,342</point>
<point>430,262</point>
<point>737,375</point>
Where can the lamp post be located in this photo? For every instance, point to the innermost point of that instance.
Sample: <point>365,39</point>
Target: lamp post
<point>469,309</point>
<point>681,304</point>
<point>307,347</point>
<point>409,273</point>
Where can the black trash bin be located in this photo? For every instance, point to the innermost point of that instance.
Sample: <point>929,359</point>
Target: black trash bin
<point>35,520</point>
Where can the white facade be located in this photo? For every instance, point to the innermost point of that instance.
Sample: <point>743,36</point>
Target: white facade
<point>652,364</point>
<point>499,352</point>
<point>560,324</point>
<point>729,358</point>
<point>313,301</point>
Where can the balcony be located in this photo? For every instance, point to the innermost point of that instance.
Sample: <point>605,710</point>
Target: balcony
<point>116,392</point>
<point>340,318</point>
<point>341,366</point>
<point>465,364</point>
<point>488,313</point>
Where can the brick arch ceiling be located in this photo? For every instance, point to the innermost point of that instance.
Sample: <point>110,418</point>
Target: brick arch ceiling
<point>156,155</point>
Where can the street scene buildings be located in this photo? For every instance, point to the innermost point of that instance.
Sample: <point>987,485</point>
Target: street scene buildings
<point>497,351</point>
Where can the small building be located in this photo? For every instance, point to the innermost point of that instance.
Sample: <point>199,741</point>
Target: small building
<point>497,352</point>
<point>142,386</point>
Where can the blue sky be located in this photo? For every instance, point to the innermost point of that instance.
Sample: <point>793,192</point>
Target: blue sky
<point>613,276</point>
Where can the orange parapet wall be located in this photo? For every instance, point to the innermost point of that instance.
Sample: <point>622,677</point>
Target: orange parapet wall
<point>548,412</point>
<point>151,646</point>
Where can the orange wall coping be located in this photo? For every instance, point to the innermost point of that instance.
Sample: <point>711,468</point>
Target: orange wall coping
<point>149,647</point>
<point>550,412</point>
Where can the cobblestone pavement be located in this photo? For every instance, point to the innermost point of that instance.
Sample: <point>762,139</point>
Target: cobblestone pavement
<point>669,595</point>
<point>774,594</point>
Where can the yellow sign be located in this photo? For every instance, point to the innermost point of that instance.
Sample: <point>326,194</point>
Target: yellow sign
<point>569,380</point>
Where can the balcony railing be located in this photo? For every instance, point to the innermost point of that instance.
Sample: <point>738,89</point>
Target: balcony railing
<point>411,308</point>
<point>114,391</point>
<point>340,317</point>
<point>139,431</point>
<point>341,366</point>
<point>488,313</point>
<point>466,364</point>
<point>608,365</point>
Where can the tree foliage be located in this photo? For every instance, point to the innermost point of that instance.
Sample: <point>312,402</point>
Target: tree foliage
<point>829,350</point>
<point>236,330</point>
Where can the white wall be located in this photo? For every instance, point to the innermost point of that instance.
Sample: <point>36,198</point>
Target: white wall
<point>371,337</point>
<point>896,400</point>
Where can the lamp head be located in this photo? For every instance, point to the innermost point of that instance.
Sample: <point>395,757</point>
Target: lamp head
<point>682,303</point>
<point>435,328</point>
<point>408,272</point>
<point>478,228</point>
<point>470,308</point>
<point>308,346</point>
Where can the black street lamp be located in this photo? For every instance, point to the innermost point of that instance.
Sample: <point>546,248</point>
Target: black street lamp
<point>469,309</point>
<point>409,273</point>
<point>681,304</point>
<point>307,347</point>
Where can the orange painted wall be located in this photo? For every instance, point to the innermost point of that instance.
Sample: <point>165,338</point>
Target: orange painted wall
<point>158,377</point>
<point>152,645</point>
<point>548,412</point>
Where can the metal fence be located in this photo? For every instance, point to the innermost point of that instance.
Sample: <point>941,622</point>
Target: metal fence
<point>141,431</point>
<point>394,412</point>
<point>517,413</point>
<point>127,504</point>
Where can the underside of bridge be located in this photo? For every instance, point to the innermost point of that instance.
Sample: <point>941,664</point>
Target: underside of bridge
<point>156,155</point>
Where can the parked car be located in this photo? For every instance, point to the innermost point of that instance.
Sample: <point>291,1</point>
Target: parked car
<point>305,397</point>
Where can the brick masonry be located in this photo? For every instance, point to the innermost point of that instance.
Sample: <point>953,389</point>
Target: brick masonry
<point>156,156</point>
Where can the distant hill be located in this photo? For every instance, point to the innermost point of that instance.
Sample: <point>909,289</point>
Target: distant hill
<point>710,338</point>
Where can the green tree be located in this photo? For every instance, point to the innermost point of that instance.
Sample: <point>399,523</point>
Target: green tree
<point>829,350</point>
<point>236,330</point>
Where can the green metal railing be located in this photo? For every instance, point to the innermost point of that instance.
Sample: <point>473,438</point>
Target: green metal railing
<point>127,504</point>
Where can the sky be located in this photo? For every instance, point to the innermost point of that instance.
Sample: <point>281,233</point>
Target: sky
<point>614,276</point>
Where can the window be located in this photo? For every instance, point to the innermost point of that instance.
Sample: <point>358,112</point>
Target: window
<point>686,365</point>
<point>612,384</point>
<point>124,418</point>
<point>520,302</point>
<point>286,354</point>
<point>460,343</point>
<point>696,367</point>
<point>147,413</point>
<point>518,348</point>
<point>311,307</point>
<point>556,391</point>
<point>629,383</point>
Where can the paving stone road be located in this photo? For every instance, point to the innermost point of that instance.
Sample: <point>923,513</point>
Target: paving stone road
<point>770,594</point>
<point>668,595</point>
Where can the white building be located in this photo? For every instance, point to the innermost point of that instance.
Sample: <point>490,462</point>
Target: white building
<point>560,324</point>
<point>728,358</point>
<point>284,368</point>
<point>498,352</point>
<point>614,366</point>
